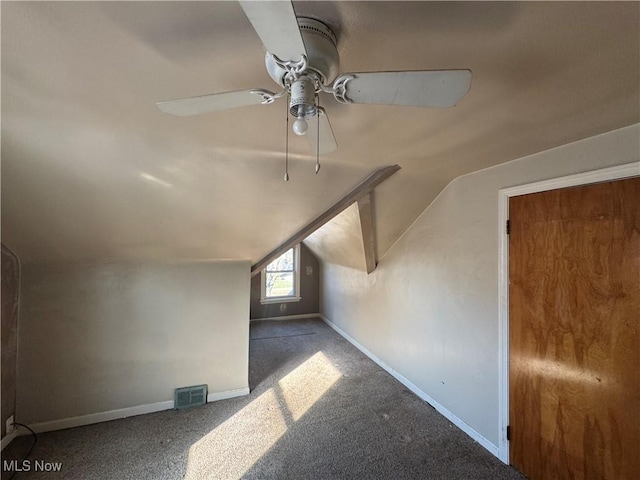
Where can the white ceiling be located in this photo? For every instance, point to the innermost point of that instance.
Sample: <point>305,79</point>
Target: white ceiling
<point>92,170</point>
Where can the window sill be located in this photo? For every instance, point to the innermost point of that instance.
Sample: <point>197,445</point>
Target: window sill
<point>265,301</point>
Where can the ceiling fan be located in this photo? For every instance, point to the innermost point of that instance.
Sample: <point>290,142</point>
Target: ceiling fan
<point>303,60</point>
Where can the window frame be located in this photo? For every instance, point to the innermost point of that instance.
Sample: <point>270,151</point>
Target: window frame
<point>295,297</point>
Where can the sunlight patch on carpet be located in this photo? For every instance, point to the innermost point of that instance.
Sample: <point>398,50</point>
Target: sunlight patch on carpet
<point>231,449</point>
<point>304,386</point>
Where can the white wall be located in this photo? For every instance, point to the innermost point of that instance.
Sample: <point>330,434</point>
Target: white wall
<point>430,310</point>
<point>104,337</point>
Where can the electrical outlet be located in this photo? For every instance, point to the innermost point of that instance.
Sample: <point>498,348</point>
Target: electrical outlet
<point>9,425</point>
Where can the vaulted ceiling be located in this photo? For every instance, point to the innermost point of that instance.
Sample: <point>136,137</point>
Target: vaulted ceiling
<point>92,170</point>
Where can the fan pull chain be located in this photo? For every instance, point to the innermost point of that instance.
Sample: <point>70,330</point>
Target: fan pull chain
<point>286,154</point>
<point>318,135</point>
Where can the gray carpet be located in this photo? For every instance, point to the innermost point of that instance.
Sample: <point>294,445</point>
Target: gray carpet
<point>318,409</point>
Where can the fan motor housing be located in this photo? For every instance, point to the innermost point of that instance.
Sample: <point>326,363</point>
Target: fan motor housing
<point>322,53</point>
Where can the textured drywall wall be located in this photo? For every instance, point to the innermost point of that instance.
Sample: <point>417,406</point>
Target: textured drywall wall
<point>9,334</point>
<point>309,291</point>
<point>103,337</point>
<point>430,310</point>
<point>341,240</point>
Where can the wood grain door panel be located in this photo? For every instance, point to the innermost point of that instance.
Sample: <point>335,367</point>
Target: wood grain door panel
<point>574,272</point>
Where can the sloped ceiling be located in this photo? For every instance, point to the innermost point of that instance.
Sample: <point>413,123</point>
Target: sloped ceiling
<point>93,171</point>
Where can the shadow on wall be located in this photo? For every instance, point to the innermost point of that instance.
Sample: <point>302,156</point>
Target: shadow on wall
<point>309,291</point>
<point>9,334</point>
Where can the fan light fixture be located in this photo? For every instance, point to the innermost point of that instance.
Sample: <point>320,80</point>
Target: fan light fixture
<point>302,104</point>
<point>300,126</point>
<point>303,98</point>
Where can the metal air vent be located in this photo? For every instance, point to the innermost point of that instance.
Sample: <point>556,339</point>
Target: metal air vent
<point>186,397</point>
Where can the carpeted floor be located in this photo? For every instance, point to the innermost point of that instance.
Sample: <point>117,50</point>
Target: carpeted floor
<point>318,409</point>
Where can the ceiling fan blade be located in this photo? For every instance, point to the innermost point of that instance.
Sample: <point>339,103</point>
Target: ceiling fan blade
<point>431,88</point>
<point>276,24</point>
<point>184,107</point>
<point>327,140</point>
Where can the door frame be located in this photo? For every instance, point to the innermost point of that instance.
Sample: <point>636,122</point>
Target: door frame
<point>618,172</point>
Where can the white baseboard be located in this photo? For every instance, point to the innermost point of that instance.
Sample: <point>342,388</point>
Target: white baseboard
<point>7,439</point>
<point>238,392</point>
<point>422,395</point>
<point>99,417</point>
<point>91,418</point>
<point>290,317</point>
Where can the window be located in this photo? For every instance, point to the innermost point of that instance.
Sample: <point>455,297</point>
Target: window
<point>281,278</point>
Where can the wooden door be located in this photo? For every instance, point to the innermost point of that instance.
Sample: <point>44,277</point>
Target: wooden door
<point>574,314</point>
